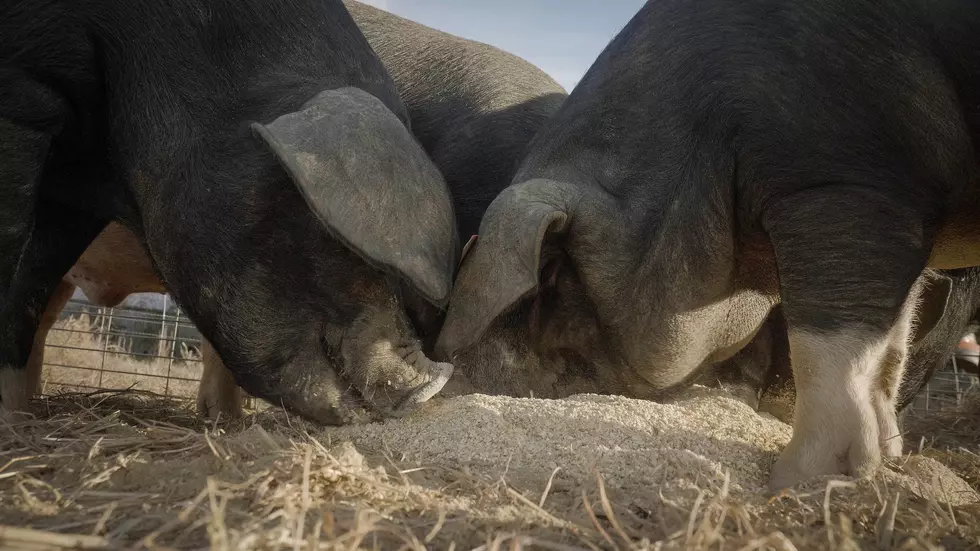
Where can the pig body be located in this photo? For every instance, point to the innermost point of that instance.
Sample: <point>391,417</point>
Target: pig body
<point>260,155</point>
<point>722,157</point>
<point>472,107</point>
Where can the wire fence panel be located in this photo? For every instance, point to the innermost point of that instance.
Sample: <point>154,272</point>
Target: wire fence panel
<point>948,388</point>
<point>152,349</point>
<point>157,349</point>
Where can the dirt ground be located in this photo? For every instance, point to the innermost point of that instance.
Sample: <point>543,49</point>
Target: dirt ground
<point>130,470</point>
<point>133,470</point>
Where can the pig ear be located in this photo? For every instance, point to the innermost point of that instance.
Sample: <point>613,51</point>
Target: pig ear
<point>503,266</point>
<point>371,184</point>
<point>466,248</point>
<point>932,306</point>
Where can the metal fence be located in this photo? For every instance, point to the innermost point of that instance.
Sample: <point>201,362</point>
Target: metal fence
<point>152,349</point>
<point>947,388</point>
<point>157,349</point>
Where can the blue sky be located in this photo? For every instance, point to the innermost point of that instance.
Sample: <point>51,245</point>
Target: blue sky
<point>562,37</point>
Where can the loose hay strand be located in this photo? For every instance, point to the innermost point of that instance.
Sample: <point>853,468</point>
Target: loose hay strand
<point>595,521</point>
<point>608,510</point>
<point>20,538</point>
<point>547,487</point>
<point>885,526</point>
<point>828,521</point>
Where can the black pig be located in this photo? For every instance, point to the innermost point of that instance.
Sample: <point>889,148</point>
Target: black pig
<point>718,158</point>
<point>473,107</point>
<point>260,152</point>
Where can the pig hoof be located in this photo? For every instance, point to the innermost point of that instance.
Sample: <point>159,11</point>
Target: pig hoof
<point>218,395</point>
<point>219,406</point>
<point>219,402</point>
<point>892,447</point>
<point>440,376</point>
<point>799,463</point>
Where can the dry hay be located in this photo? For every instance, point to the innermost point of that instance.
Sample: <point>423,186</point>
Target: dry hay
<point>952,437</point>
<point>472,472</point>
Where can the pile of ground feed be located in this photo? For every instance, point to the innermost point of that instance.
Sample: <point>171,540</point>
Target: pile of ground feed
<point>472,472</point>
<point>643,449</point>
<point>640,447</point>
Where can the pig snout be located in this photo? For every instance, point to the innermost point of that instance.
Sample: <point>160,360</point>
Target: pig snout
<point>397,380</point>
<point>430,377</point>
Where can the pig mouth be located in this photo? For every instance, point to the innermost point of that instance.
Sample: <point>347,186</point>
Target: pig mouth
<point>403,379</point>
<point>353,399</point>
<point>434,380</point>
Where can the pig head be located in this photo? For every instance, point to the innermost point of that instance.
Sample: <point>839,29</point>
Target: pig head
<point>473,108</point>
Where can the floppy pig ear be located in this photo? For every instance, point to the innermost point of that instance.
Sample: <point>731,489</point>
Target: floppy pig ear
<point>503,265</point>
<point>371,185</point>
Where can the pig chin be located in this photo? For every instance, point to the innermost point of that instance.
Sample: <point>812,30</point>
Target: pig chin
<point>316,392</point>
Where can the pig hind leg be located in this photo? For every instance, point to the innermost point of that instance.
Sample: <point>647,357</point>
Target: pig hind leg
<point>22,154</point>
<point>35,362</point>
<point>847,259</point>
<point>218,394</point>
<point>888,379</point>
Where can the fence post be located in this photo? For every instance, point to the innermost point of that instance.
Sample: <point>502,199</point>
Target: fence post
<point>105,329</point>
<point>173,347</point>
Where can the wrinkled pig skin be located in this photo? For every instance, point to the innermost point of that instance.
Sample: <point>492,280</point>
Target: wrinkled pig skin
<point>720,158</point>
<point>260,155</point>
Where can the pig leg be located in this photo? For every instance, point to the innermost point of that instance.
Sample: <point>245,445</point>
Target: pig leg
<point>847,260</point>
<point>39,239</point>
<point>58,238</point>
<point>888,380</point>
<point>218,394</point>
<point>35,362</point>
<point>22,154</point>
